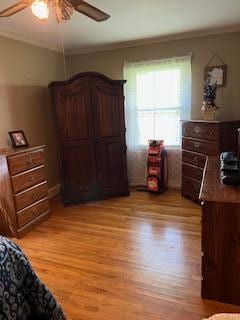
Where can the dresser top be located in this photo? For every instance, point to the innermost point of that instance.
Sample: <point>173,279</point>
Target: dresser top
<point>11,151</point>
<point>213,190</point>
<point>213,121</point>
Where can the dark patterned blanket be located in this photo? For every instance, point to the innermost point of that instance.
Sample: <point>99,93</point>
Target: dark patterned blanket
<point>22,295</point>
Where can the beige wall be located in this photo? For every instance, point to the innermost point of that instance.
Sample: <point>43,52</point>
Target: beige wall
<point>227,46</point>
<point>25,72</point>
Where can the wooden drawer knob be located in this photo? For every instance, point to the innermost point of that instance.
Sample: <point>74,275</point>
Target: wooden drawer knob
<point>34,212</point>
<point>195,161</point>
<point>30,179</point>
<point>34,196</point>
<point>29,161</point>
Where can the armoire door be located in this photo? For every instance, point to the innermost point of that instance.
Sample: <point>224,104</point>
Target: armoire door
<point>109,129</point>
<point>80,183</point>
<point>111,167</point>
<point>75,123</point>
<point>108,108</point>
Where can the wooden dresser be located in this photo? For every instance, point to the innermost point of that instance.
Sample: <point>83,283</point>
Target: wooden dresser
<point>220,237</point>
<point>23,190</point>
<point>200,139</point>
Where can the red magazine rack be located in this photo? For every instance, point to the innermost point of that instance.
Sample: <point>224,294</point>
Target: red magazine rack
<point>157,166</point>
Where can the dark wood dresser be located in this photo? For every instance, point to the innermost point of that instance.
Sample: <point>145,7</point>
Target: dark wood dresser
<point>220,237</point>
<point>201,139</point>
<point>23,190</point>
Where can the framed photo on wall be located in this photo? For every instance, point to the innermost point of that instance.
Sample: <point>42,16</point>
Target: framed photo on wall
<point>18,139</point>
<point>216,75</point>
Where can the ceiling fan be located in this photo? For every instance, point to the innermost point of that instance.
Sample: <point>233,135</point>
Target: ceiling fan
<point>63,8</point>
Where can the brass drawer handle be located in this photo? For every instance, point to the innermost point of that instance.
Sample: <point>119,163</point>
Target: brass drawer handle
<point>197,130</point>
<point>211,132</point>
<point>29,161</point>
<point>197,144</point>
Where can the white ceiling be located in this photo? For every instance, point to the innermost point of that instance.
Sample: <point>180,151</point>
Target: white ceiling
<point>131,21</point>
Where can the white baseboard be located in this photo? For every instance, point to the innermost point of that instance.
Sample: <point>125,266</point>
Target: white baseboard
<point>54,191</point>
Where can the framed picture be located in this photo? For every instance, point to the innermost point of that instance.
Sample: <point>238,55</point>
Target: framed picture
<point>18,139</point>
<point>216,75</point>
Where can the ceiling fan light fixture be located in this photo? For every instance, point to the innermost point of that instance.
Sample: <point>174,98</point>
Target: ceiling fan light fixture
<point>40,9</point>
<point>63,8</point>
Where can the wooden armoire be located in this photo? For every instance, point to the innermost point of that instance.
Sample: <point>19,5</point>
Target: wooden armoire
<point>91,130</point>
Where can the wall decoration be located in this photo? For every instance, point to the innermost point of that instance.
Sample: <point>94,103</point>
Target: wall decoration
<point>18,139</point>
<point>216,75</point>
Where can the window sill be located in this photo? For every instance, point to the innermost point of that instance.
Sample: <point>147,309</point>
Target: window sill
<point>145,148</point>
<point>173,147</point>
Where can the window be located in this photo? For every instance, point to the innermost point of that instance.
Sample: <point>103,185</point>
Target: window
<point>158,95</point>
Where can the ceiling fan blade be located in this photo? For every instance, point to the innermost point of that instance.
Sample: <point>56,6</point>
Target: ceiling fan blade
<point>15,8</point>
<point>89,10</point>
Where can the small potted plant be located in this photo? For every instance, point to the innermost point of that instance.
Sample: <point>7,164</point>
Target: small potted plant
<point>209,108</point>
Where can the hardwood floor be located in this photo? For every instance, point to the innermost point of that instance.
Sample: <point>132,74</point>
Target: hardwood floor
<point>131,258</point>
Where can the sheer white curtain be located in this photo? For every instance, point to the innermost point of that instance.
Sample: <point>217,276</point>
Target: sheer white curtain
<point>158,96</point>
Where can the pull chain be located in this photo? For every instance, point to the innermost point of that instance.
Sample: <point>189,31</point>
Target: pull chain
<point>63,53</point>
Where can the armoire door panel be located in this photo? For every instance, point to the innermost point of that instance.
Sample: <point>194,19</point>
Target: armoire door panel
<point>111,166</point>
<point>109,110</point>
<point>79,172</point>
<point>75,114</point>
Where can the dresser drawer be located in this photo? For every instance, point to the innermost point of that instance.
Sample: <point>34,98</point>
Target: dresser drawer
<point>30,196</point>
<point>28,179</point>
<point>29,214</point>
<point>191,194</point>
<point>192,184</point>
<point>204,131</point>
<point>192,172</point>
<point>200,146</point>
<point>26,161</point>
<point>193,158</point>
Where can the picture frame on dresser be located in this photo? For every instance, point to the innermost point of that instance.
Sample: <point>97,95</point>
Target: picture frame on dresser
<point>18,139</point>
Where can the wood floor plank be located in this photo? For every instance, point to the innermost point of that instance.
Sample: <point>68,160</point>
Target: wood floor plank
<point>130,258</point>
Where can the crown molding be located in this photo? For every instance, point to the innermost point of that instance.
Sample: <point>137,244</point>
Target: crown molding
<point>118,45</point>
<point>162,39</point>
<point>29,40</point>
